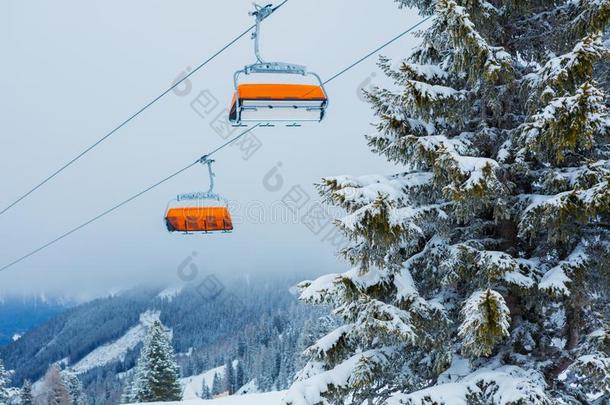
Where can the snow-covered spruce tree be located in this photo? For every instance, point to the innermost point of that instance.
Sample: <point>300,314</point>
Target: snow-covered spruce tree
<point>206,393</point>
<point>128,390</point>
<point>137,387</point>
<point>156,376</point>
<point>217,387</point>
<point>25,397</point>
<point>4,384</point>
<point>228,379</point>
<point>485,261</point>
<point>74,388</point>
<point>239,376</point>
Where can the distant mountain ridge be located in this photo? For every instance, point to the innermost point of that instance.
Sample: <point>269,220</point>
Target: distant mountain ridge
<point>19,314</point>
<point>256,321</point>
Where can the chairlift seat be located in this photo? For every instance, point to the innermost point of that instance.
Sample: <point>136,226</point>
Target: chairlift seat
<point>199,219</point>
<point>278,103</point>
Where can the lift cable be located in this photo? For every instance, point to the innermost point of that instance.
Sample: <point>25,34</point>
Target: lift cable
<point>368,55</point>
<point>198,161</point>
<point>132,117</point>
<point>124,202</point>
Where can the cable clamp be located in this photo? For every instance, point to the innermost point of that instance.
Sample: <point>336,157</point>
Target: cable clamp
<point>204,160</point>
<point>261,12</point>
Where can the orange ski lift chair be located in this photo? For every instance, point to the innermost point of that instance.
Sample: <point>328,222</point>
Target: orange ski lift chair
<point>272,102</point>
<point>199,212</point>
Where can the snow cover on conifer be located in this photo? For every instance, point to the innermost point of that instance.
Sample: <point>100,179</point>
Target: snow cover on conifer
<point>480,269</point>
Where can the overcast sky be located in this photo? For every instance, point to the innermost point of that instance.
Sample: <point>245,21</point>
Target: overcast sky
<point>72,70</point>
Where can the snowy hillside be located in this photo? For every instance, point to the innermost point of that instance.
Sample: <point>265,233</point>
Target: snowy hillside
<point>192,385</point>
<point>118,349</point>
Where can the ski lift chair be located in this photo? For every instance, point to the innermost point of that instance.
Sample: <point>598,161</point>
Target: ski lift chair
<point>273,101</point>
<point>199,212</point>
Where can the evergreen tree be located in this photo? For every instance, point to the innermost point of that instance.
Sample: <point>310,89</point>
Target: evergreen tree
<point>4,384</point>
<point>206,393</point>
<point>277,365</point>
<point>241,347</point>
<point>239,376</point>
<point>26,393</point>
<point>486,260</point>
<point>217,386</point>
<point>74,388</point>
<point>267,368</point>
<point>229,378</point>
<point>127,395</point>
<point>138,388</point>
<point>156,377</point>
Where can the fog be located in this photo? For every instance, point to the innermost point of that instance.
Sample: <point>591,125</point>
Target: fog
<point>72,70</point>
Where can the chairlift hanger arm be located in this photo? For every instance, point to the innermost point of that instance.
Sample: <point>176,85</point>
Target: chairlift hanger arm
<point>261,13</point>
<point>205,160</point>
<point>260,66</point>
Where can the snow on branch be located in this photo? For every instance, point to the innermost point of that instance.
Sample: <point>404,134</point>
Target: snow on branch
<point>477,54</point>
<point>556,279</point>
<point>356,192</point>
<point>327,343</point>
<point>500,261</point>
<point>375,319</point>
<point>407,293</point>
<point>357,371</point>
<point>363,280</point>
<point>567,126</point>
<point>471,182</point>
<point>504,385</point>
<point>590,374</point>
<point>457,145</point>
<point>592,16</point>
<point>407,217</point>
<point>327,288</point>
<point>549,213</point>
<point>471,167</point>
<point>501,265</point>
<point>428,73</point>
<point>421,151</point>
<point>485,322</point>
<point>567,68</point>
<point>425,93</point>
<point>405,286</point>
<point>320,290</point>
<point>383,223</point>
<point>553,180</point>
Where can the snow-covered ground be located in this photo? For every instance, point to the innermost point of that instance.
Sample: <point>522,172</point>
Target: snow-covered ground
<point>267,398</point>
